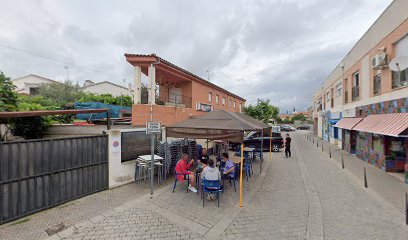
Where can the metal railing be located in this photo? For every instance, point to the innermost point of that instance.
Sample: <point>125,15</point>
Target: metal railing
<point>355,93</point>
<point>168,99</point>
<point>176,99</point>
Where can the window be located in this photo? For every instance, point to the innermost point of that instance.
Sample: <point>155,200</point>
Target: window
<point>332,98</point>
<point>229,103</point>
<point>377,84</point>
<point>328,97</point>
<point>235,104</point>
<point>400,79</point>
<point>240,107</point>
<point>223,101</point>
<point>355,91</point>
<point>339,89</point>
<point>209,96</point>
<point>345,90</point>
<point>33,91</point>
<point>378,143</point>
<point>216,99</point>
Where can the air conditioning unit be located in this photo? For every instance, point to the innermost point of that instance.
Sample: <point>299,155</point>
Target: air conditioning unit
<point>379,60</point>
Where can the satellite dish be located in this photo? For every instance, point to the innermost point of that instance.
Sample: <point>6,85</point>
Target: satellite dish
<point>399,64</point>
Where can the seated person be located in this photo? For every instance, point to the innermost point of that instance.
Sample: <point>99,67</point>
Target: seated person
<point>203,160</point>
<point>229,167</point>
<point>182,167</point>
<point>211,173</point>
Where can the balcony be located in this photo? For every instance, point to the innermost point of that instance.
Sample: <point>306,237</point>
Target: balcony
<point>355,93</point>
<point>169,100</point>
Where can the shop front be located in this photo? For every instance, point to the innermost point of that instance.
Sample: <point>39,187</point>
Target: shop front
<point>382,140</point>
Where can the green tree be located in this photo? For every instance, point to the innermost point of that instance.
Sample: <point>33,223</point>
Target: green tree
<point>299,117</point>
<point>61,94</point>
<point>8,98</point>
<point>263,111</point>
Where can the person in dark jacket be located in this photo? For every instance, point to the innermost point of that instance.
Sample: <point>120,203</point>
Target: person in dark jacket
<point>287,146</point>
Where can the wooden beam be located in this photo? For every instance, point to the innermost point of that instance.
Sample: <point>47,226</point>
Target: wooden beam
<point>50,112</point>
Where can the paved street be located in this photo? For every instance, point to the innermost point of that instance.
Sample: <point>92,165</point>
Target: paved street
<point>307,196</point>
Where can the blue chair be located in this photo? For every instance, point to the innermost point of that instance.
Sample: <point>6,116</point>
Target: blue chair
<point>186,179</point>
<point>211,187</point>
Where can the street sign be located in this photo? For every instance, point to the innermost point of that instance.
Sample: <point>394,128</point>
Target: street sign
<point>153,127</point>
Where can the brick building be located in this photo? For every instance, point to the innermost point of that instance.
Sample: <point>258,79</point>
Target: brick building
<point>175,93</point>
<point>362,106</point>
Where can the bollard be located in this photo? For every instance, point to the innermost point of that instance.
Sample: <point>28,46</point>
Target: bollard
<point>317,143</point>
<point>322,147</point>
<point>365,178</point>
<point>329,152</point>
<point>406,208</point>
<point>342,161</point>
<point>313,140</point>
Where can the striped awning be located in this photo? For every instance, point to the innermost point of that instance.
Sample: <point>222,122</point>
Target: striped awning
<point>392,124</point>
<point>348,123</point>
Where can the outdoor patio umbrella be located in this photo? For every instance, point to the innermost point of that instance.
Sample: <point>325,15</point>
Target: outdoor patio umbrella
<point>217,125</point>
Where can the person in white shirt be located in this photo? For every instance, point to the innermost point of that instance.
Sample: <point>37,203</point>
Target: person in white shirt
<point>211,173</point>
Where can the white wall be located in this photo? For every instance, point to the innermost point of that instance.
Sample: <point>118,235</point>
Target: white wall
<point>119,173</point>
<point>105,88</point>
<point>23,84</point>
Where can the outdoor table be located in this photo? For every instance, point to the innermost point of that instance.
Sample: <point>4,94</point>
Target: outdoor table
<point>148,159</point>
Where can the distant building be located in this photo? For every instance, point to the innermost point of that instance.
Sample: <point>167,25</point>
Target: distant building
<point>106,88</point>
<point>29,84</point>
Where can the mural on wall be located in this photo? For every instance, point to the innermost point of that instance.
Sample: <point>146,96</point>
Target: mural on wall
<point>393,106</point>
<point>326,126</point>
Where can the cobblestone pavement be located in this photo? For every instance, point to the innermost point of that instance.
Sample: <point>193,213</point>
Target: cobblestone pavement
<point>307,196</point>
<point>34,226</point>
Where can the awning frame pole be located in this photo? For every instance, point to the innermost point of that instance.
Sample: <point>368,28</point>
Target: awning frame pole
<point>240,175</point>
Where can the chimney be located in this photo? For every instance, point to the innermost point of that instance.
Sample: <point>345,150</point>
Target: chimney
<point>88,83</point>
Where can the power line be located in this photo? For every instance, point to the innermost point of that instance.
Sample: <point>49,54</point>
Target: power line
<point>57,60</point>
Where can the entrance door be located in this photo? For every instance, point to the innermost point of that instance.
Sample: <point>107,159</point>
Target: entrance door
<point>353,142</point>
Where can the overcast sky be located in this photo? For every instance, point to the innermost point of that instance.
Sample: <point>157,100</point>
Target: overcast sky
<point>278,49</point>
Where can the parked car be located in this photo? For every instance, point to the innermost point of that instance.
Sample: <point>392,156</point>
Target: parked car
<point>287,128</point>
<point>304,127</point>
<point>253,139</point>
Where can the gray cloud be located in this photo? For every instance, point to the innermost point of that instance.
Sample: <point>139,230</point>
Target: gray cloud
<point>276,49</point>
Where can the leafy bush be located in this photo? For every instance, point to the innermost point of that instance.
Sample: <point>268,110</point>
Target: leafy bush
<point>125,101</point>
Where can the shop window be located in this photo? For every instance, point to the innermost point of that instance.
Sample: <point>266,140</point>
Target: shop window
<point>378,144</point>
<point>395,147</point>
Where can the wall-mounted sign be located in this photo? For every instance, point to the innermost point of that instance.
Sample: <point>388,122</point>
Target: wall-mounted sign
<point>134,144</point>
<point>335,115</point>
<point>204,107</point>
<point>115,145</point>
<point>348,113</point>
<point>153,127</point>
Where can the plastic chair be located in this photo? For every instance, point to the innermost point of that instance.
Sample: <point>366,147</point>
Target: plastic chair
<point>185,179</point>
<point>211,187</point>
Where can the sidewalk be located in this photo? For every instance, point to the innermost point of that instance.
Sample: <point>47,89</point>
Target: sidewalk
<point>386,185</point>
<point>129,211</point>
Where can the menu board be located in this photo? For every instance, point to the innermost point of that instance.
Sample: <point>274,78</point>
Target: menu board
<point>134,144</point>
